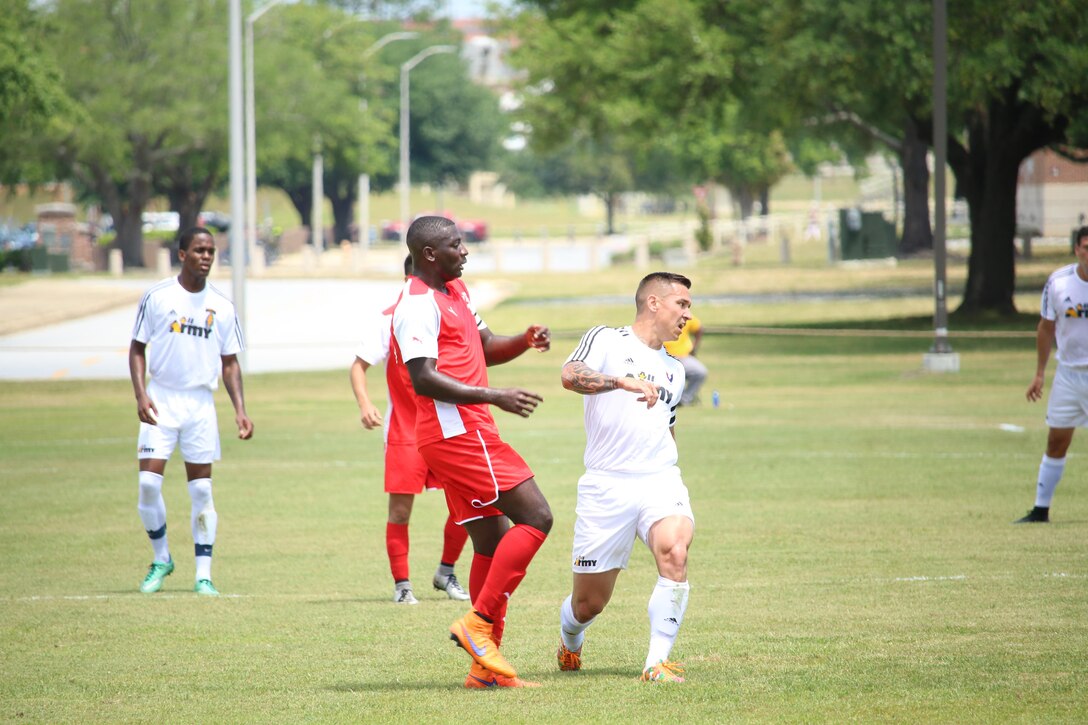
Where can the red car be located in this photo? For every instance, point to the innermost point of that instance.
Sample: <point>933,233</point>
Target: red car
<point>472,230</point>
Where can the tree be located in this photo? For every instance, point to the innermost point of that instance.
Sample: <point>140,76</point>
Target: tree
<point>316,90</point>
<point>1018,82</point>
<point>648,69</point>
<point>31,88</point>
<point>113,56</point>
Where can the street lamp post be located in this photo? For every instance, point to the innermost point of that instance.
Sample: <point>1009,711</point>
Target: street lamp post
<point>405,180</point>
<point>940,357</point>
<point>364,178</point>
<point>251,137</point>
<point>237,186</point>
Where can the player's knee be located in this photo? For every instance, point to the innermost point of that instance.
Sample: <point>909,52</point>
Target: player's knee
<point>673,559</point>
<point>150,487</point>
<point>586,610</point>
<point>200,491</point>
<point>542,519</point>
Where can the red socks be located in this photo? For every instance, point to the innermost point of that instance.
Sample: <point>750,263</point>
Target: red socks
<point>396,545</point>
<point>508,566</point>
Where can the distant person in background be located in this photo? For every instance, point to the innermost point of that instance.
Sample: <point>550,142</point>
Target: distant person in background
<point>684,348</point>
<point>406,473</point>
<point>192,330</point>
<point>1064,320</point>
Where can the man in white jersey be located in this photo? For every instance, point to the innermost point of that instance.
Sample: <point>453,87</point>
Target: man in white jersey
<point>1064,319</point>
<point>631,486</point>
<point>191,329</point>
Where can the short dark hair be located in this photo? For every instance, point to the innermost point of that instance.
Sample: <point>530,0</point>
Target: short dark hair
<point>426,229</point>
<point>189,235</point>
<point>1079,236</point>
<point>657,278</point>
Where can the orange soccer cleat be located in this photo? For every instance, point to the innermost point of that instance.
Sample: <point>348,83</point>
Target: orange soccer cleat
<point>569,660</point>
<point>473,633</point>
<point>481,678</point>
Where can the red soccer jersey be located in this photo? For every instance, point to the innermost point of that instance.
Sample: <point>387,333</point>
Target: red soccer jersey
<point>401,425</point>
<point>443,326</point>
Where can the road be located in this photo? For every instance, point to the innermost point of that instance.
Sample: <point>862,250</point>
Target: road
<point>293,324</point>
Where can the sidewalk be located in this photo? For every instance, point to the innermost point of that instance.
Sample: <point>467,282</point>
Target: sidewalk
<point>81,328</point>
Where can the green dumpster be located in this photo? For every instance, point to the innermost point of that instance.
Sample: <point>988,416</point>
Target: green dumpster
<point>866,235</point>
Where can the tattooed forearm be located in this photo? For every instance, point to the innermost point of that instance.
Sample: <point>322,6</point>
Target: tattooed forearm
<point>580,378</point>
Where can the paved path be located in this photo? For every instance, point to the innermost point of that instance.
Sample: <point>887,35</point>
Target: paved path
<point>293,324</point>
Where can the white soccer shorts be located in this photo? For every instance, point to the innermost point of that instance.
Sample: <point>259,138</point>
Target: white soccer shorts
<point>613,509</point>
<point>186,417</point>
<point>1067,406</point>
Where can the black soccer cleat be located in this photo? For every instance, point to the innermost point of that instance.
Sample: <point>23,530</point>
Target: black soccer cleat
<point>1038,515</point>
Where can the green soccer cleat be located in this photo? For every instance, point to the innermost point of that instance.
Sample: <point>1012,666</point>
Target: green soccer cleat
<point>663,671</point>
<point>205,588</point>
<point>155,574</point>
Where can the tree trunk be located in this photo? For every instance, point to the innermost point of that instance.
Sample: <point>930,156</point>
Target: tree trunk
<point>917,231</point>
<point>764,200</point>
<point>744,199</point>
<point>991,270</point>
<point>188,201</point>
<point>1000,136</point>
<point>126,204</point>
<point>609,199</point>
<point>302,199</point>
<point>129,224</point>
<point>343,207</point>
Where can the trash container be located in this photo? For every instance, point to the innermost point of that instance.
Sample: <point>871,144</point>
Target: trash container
<point>58,262</point>
<point>866,235</point>
<point>39,258</point>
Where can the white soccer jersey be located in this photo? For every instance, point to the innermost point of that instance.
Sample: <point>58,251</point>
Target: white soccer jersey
<point>1065,301</point>
<point>186,333</point>
<point>622,435</point>
<point>375,345</point>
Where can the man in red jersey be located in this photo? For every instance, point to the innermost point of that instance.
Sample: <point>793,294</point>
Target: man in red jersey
<point>406,474</point>
<point>446,349</point>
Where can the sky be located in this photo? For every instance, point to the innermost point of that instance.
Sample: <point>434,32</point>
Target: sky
<point>469,8</point>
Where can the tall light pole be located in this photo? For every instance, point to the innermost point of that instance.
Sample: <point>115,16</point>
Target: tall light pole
<point>237,162</point>
<point>317,210</point>
<point>405,181</point>
<point>251,134</point>
<point>940,357</point>
<point>363,220</point>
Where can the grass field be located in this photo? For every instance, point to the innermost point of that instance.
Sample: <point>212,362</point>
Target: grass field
<point>853,561</point>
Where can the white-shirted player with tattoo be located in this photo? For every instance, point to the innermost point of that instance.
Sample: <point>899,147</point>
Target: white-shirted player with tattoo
<point>632,486</point>
<point>191,330</point>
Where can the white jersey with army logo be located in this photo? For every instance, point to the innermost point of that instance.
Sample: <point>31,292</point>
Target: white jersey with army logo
<point>622,435</point>
<point>186,333</point>
<point>1065,302</point>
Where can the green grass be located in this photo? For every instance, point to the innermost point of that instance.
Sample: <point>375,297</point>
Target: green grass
<point>853,558</point>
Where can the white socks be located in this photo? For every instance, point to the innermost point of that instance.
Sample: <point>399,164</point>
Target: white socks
<point>571,630</point>
<point>152,510</point>
<point>666,609</point>
<point>1050,473</point>
<point>204,521</point>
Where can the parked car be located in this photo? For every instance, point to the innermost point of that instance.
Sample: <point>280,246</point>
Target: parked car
<point>18,237</point>
<point>472,230</point>
<point>160,221</point>
<point>216,220</point>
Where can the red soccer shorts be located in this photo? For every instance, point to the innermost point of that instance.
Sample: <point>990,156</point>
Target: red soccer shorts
<point>406,471</point>
<point>474,467</point>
